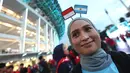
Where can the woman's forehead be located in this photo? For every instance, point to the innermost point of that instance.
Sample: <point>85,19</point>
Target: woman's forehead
<point>79,24</point>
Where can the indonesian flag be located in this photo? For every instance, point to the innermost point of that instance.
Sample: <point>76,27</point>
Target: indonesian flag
<point>68,13</point>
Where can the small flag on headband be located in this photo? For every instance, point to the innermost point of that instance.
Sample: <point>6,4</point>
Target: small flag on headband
<point>82,9</point>
<point>68,13</point>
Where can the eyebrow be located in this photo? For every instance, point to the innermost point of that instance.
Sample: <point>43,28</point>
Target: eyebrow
<point>87,26</point>
<point>76,30</point>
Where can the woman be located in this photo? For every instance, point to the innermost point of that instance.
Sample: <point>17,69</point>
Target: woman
<point>60,55</point>
<point>93,59</point>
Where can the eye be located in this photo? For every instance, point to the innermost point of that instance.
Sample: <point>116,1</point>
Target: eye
<point>87,29</point>
<point>75,34</point>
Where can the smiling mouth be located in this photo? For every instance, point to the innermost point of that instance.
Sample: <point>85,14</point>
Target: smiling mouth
<point>87,44</point>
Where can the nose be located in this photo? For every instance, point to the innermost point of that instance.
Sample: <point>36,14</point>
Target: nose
<point>84,36</point>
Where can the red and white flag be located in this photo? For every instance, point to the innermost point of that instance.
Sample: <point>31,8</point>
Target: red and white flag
<point>68,13</point>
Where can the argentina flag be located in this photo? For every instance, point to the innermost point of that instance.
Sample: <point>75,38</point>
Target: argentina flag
<point>81,9</point>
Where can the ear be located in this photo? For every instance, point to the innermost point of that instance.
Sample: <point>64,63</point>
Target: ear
<point>65,46</point>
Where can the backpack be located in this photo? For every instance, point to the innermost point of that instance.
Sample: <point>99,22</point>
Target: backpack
<point>66,59</point>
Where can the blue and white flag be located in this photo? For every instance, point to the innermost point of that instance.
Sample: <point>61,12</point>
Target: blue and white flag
<point>81,9</point>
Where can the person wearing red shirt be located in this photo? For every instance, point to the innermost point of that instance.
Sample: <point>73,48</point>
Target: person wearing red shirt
<point>111,43</point>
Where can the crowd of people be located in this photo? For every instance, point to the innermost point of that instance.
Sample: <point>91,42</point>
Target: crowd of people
<point>41,67</point>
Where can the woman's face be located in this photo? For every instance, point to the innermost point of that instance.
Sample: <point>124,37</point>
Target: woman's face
<point>84,37</point>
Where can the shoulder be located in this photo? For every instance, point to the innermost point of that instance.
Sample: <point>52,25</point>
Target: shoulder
<point>119,54</point>
<point>121,60</point>
<point>120,57</point>
<point>76,69</point>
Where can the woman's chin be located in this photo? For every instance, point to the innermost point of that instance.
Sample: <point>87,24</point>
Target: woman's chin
<point>89,51</point>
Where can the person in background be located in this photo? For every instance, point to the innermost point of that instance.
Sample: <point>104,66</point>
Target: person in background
<point>74,56</point>
<point>9,69</point>
<point>123,21</point>
<point>22,68</point>
<point>29,69</point>
<point>111,43</point>
<point>35,69</point>
<point>93,59</point>
<point>2,67</point>
<point>60,55</point>
<point>17,71</point>
<point>105,46</point>
<point>127,34</point>
<point>52,65</point>
<point>43,66</point>
<point>124,40</point>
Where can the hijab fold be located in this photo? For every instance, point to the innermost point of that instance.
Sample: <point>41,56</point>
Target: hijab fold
<point>98,61</point>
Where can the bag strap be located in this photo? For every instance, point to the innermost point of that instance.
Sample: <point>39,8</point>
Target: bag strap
<point>60,62</point>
